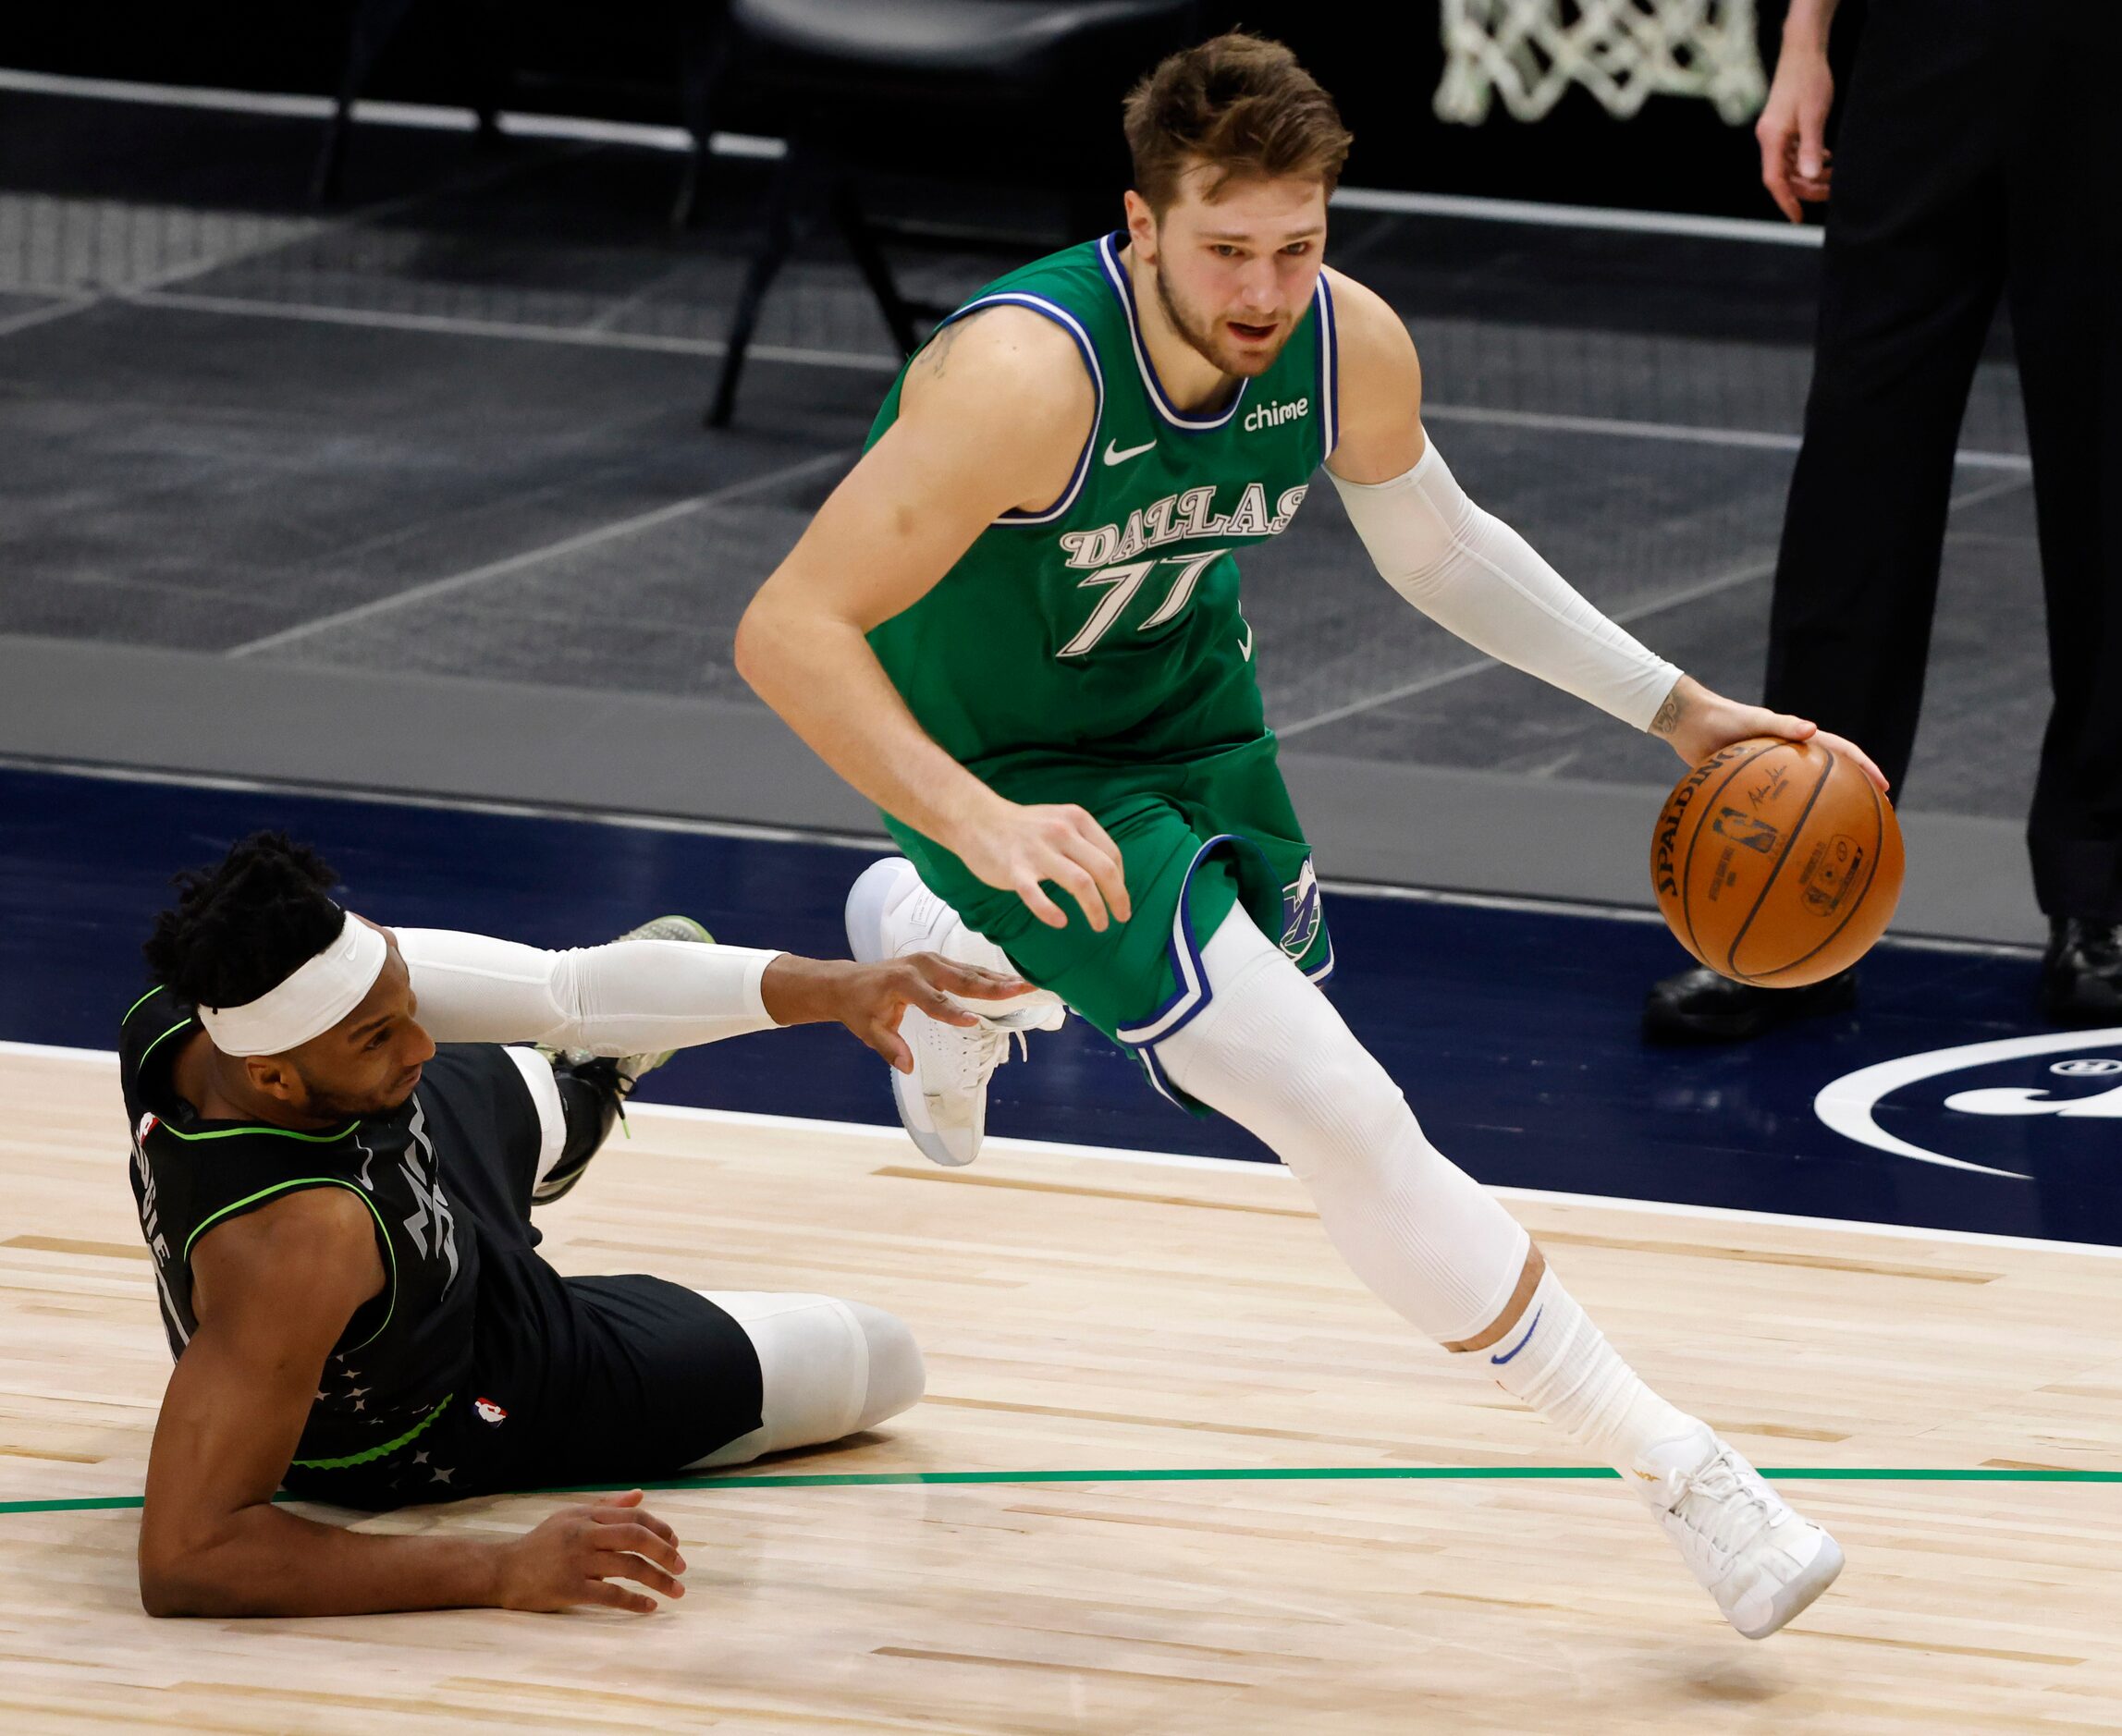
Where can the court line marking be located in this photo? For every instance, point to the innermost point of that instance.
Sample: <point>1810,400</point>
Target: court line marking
<point>891,1134</point>
<point>426,117</point>
<point>444,117</point>
<point>532,556</point>
<point>1248,1473</point>
<point>451,325</point>
<point>1760,230</point>
<point>1973,457</point>
<point>872,841</point>
<point>1728,581</point>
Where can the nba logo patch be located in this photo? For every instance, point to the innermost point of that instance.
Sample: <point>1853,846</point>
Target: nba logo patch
<point>489,1413</point>
<point>148,1123</point>
<point>1301,912</point>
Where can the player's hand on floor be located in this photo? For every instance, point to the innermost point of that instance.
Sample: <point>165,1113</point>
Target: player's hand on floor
<point>579,1555</point>
<point>875,997</point>
<point>1020,847</point>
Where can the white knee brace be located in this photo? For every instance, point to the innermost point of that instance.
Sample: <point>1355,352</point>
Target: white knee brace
<point>1271,1053</point>
<point>826,1368</point>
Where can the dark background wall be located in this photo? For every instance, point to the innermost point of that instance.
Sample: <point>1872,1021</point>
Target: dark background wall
<point>620,62</point>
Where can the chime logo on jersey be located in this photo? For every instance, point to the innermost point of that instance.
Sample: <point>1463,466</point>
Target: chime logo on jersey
<point>2016,1087</point>
<point>1301,912</point>
<point>1179,515</point>
<point>1273,415</point>
<point>489,1412</point>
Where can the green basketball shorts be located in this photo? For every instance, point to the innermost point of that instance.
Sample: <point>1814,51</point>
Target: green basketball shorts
<point>1196,837</point>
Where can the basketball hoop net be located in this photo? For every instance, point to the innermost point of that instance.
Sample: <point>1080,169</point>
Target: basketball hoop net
<point>1528,51</point>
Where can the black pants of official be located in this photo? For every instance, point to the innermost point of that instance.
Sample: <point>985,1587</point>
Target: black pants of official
<point>1979,157</point>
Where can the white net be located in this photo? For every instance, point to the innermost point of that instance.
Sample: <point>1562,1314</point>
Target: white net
<point>1528,51</point>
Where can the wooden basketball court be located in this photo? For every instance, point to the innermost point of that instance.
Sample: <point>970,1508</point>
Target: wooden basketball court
<point>1200,1455</point>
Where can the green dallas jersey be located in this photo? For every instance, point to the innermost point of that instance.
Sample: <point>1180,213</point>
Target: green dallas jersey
<point>1106,629</point>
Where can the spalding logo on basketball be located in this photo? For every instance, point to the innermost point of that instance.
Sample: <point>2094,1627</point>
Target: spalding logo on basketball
<point>1776,863</point>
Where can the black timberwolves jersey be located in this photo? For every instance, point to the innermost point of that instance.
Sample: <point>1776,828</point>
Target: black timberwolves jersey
<point>404,1354</point>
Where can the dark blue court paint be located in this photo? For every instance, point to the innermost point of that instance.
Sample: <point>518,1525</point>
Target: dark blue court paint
<point>1513,1031</point>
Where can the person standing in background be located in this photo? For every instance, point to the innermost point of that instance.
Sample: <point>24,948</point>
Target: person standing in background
<point>1979,147</point>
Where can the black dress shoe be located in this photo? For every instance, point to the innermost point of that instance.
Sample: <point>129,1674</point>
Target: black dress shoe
<point>1699,1006</point>
<point>2081,976</point>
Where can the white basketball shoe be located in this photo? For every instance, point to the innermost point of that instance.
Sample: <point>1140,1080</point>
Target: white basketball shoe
<point>1763,1562</point>
<point>943,1103</point>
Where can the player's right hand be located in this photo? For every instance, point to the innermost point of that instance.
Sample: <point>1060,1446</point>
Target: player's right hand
<point>578,1554</point>
<point>1018,848</point>
<point>1795,160</point>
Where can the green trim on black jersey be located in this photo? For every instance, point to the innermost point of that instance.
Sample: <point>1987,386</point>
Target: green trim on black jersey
<point>390,1253</point>
<point>261,1127</point>
<point>140,1003</point>
<point>374,1453</point>
<point>159,1041</point>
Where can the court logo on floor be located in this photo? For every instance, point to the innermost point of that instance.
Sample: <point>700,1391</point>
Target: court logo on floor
<point>2016,1101</point>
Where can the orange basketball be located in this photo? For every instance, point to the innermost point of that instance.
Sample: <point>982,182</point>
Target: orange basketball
<point>1776,863</point>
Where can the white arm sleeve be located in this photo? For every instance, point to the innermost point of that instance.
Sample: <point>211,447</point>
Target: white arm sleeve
<point>1472,574</point>
<point>621,999</point>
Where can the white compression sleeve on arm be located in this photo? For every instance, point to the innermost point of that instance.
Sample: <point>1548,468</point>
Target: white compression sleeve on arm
<point>619,999</point>
<point>1472,574</point>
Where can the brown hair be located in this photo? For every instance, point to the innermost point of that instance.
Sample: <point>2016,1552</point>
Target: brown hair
<point>1238,104</point>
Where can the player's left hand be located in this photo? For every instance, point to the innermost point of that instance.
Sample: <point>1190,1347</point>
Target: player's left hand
<point>1699,723</point>
<point>870,999</point>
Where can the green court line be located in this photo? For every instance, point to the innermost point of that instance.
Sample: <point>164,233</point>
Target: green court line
<point>1276,1473</point>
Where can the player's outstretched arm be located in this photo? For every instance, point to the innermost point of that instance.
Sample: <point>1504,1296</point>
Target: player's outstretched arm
<point>275,1290</point>
<point>1473,575</point>
<point>993,415</point>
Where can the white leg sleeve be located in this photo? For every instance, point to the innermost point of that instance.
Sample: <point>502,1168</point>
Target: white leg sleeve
<point>826,1368</point>
<point>545,1089</point>
<point>1270,1052</point>
<point>619,999</point>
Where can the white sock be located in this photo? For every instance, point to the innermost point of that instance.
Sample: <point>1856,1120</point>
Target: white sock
<point>1556,1360</point>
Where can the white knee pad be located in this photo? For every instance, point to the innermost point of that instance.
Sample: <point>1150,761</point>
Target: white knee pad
<point>1271,1053</point>
<point>826,1368</point>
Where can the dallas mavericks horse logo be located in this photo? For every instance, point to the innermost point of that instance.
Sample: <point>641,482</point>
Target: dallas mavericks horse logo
<point>1300,912</point>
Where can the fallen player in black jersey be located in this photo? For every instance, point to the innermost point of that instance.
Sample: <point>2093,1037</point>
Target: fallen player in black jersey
<point>339,1215</point>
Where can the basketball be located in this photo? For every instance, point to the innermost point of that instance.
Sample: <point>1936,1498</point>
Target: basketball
<point>1776,863</point>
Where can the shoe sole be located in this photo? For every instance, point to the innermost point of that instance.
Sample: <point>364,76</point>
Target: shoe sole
<point>1825,1569</point>
<point>864,917</point>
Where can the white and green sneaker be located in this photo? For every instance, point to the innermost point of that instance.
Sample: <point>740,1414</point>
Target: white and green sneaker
<point>613,1078</point>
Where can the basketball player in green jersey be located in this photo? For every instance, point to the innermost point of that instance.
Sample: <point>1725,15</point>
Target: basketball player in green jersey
<point>1015,627</point>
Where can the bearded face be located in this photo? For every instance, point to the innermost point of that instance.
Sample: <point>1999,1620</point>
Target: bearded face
<point>1234,273</point>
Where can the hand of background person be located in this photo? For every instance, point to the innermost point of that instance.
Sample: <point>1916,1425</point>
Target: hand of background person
<point>1014,848</point>
<point>577,1555</point>
<point>1796,162</point>
<point>1699,723</point>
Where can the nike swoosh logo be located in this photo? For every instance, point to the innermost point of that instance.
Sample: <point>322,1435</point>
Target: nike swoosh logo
<point>1246,649</point>
<point>1522,1342</point>
<point>1112,457</point>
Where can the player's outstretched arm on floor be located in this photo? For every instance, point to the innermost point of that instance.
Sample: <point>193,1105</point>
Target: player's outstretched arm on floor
<point>1474,576</point>
<point>993,415</point>
<point>276,1289</point>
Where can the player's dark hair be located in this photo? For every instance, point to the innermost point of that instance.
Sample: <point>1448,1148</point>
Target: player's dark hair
<point>245,927</point>
<point>1241,106</point>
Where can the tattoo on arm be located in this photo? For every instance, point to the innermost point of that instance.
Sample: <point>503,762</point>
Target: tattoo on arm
<point>937,349</point>
<point>1668,718</point>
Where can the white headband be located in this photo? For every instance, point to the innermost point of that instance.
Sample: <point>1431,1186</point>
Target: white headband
<point>315,997</point>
